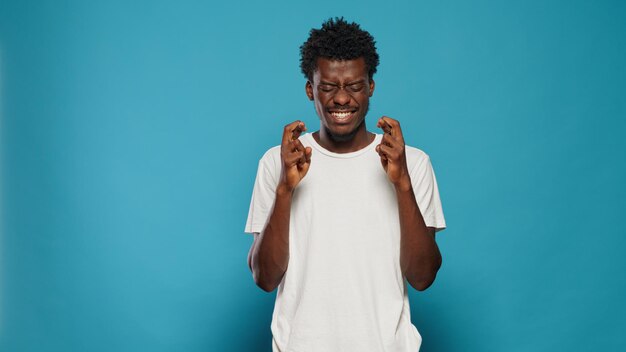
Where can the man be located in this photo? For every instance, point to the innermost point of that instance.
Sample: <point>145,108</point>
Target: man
<point>342,216</point>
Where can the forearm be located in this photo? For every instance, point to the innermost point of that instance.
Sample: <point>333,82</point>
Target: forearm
<point>270,255</point>
<point>420,258</point>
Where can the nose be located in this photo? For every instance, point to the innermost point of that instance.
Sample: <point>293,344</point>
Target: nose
<point>341,97</point>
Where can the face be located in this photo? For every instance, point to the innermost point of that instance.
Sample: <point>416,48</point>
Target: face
<point>341,91</point>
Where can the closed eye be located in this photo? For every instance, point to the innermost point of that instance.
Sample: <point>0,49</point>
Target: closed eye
<point>356,87</point>
<point>327,88</point>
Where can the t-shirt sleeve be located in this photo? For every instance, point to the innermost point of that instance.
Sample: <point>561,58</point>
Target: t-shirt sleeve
<point>263,194</point>
<point>427,194</point>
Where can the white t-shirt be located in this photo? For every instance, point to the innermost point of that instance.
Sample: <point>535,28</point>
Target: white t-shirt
<point>344,289</point>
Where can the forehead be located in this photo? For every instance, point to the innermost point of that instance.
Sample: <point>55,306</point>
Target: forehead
<point>340,70</point>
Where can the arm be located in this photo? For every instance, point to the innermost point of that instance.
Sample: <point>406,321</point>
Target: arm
<point>420,258</point>
<point>269,253</point>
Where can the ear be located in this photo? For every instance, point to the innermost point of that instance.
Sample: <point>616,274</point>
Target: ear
<point>308,87</point>
<point>372,86</point>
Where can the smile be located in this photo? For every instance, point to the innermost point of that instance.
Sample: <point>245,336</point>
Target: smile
<point>341,116</point>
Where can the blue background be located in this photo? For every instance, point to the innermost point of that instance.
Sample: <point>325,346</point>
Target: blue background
<point>130,135</point>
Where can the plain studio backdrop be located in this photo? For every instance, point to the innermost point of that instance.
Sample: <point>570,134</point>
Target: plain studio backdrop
<point>131,132</point>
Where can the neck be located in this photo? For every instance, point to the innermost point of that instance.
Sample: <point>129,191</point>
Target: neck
<point>356,141</point>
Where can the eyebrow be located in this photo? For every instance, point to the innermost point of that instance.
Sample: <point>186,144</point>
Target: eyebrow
<point>347,84</point>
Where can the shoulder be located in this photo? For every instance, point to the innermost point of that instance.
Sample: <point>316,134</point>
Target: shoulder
<point>415,157</point>
<point>271,158</point>
<point>271,153</point>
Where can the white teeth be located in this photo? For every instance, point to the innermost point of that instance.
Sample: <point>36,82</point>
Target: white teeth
<point>341,115</point>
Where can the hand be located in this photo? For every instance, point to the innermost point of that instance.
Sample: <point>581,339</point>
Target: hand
<point>295,158</point>
<point>392,153</point>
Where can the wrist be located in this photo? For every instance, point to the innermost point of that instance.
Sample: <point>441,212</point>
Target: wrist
<point>284,190</point>
<point>404,184</point>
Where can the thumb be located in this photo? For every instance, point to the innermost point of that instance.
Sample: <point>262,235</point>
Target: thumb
<point>304,168</point>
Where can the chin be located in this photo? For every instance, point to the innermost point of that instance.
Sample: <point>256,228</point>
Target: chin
<point>342,136</point>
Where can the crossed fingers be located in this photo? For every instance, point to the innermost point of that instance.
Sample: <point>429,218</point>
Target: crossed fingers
<point>390,127</point>
<point>392,144</point>
<point>292,149</point>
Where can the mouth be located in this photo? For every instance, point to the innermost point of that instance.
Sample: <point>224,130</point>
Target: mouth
<point>341,116</point>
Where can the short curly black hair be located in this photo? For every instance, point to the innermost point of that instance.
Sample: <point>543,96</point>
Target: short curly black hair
<point>338,40</point>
